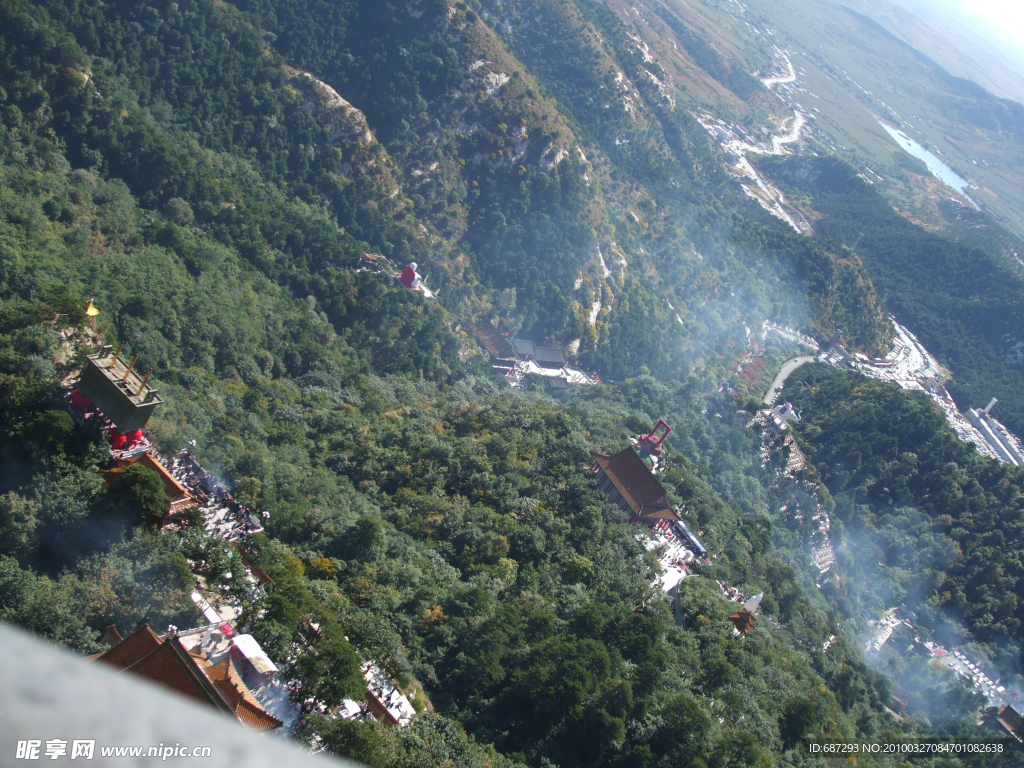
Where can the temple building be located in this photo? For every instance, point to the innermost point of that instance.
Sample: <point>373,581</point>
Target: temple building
<point>514,359</point>
<point>631,486</point>
<point>176,492</point>
<point>249,656</point>
<point>899,700</point>
<point>1012,722</point>
<point>649,446</point>
<point>164,661</point>
<point>494,342</point>
<point>743,622</point>
<point>628,479</point>
<point>754,603</point>
<point>545,357</point>
<point>111,384</point>
<point>783,414</point>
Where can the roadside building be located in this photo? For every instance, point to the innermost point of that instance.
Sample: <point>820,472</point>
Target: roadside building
<point>687,536</point>
<point>1002,442</point>
<point>1011,722</point>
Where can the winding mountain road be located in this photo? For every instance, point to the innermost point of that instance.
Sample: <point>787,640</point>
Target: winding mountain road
<point>787,368</point>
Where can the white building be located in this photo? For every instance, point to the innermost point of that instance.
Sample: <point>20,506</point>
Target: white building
<point>999,439</point>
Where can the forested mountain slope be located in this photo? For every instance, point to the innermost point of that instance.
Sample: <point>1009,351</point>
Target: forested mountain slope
<point>211,173</point>
<point>962,290</point>
<point>893,453</point>
<point>924,520</point>
<point>458,169</point>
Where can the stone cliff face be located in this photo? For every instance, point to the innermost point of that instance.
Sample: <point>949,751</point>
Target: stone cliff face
<point>345,126</point>
<point>508,148</point>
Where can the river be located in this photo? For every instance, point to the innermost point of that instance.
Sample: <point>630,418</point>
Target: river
<point>939,169</point>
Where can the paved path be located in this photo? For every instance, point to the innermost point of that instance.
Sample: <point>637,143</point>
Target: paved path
<point>787,368</point>
<point>790,77</point>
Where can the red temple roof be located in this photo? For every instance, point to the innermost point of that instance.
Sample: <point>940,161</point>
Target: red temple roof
<point>165,662</point>
<point>132,648</point>
<point>246,708</point>
<point>634,480</point>
<point>743,621</point>
<point>176,492</point>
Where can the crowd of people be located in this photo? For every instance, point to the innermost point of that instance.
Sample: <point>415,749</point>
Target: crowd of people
<point>223,512</point>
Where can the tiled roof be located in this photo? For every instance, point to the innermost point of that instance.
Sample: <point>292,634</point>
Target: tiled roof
<point>111,636</point>
<point>495,343</point>
<point>175,491</point>
<point>167,663</point>
<point>658,512</point>
<point>171,666</point>
<point>743,621</point>
<point>552,355</point>
<point>524,347</point>
<point>141,642</point>
<point>172,487</point>
<point>225,676</point>
<point>635,481</point>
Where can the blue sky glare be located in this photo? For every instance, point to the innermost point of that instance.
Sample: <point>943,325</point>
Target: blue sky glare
<point>1005,17</point>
